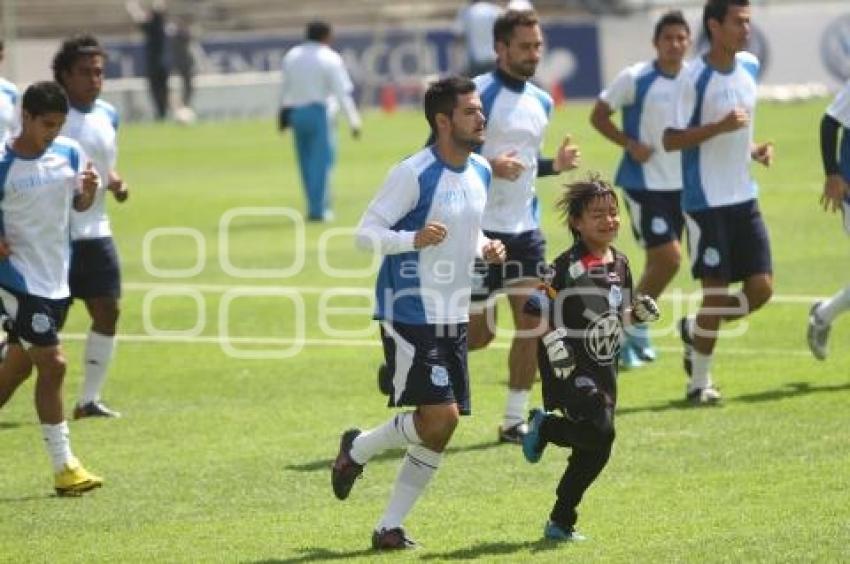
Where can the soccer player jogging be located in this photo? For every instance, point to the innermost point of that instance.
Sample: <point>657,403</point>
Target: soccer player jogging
<point>835,197</point>
<point>517,115</point>
<point>651,178</point>
<point>42,176</point>
<point>95,276</point>
<point>728,240</point>
<point>426,221</point>
<point>583,308</point>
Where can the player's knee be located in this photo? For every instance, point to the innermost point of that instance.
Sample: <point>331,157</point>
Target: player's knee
<point>437,428</point>
<point>480,339</point>
<point>760,295</point>
<point>604,433</point>
<point>674,260</point>
<point>53,366</point>
<point>603,437</point>
<point>105,318</point>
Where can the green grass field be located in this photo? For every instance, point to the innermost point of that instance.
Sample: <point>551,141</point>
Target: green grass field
<point>222,457</point>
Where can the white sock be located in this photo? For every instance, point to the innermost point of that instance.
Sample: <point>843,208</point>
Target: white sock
<point>416,471</point>
<point>397,432</point>
<point>515,408</point>
<point>834,306</point>
<point>58,441</point>
<point>99,349</point>
<point>700,371</point>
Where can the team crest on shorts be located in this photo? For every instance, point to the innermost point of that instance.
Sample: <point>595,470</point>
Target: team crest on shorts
<point>711,257</point>
<point>439,376</point>
<point>659,226</point>
<point>40,323</point>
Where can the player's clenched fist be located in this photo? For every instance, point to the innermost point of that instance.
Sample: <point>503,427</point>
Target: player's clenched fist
<point>89,180</point>
<point>494,251</point>
<point>432,234</point>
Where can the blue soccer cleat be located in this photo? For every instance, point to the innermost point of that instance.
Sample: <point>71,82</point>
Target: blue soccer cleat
<point>555,532</point>
<point>638,337</point>
<point>629,358</point>
<point>532,446</point>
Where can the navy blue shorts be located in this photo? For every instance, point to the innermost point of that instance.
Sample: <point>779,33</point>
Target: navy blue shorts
<point>33,320</point>
<point>729,243</point>
<point>656,216</point>
<point>95,270</point>
<point>526,258</point>
<point>427,364</point>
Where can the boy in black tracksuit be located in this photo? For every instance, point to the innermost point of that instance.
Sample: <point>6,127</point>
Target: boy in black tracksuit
<point>582,308</point>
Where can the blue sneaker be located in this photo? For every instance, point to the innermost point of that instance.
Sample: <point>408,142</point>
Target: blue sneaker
<point>629,358</point>
<point>531,447</point>
<point>554,531</point>
<point>638,336</point>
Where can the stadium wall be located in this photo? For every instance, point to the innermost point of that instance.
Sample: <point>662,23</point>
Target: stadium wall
<point>802,44</point>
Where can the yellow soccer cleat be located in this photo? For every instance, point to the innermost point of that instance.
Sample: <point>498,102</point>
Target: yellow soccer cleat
<point>74,480</point>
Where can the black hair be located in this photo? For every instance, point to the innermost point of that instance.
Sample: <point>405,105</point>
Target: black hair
<point>45,97</point>
<point>503,28</point>
<point>673,17</point>
<point>71,50</point>
<point>577,197</point>
<point>318,31</point>
<point>441,97</point>
<point>716,10</point>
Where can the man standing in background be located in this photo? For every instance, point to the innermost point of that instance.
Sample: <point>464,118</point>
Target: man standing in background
<point>474,26</point>
<point>313,76</point>
<point>8,101</point>
<point>152,23</point>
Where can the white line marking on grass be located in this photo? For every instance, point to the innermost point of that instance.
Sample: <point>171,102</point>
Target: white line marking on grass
<point>364,343</point>
<point>221,288</point>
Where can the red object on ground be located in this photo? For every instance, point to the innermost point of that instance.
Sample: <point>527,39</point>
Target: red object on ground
<point>389,99</point>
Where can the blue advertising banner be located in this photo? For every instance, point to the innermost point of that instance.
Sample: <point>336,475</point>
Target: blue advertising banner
<point>399,57</point>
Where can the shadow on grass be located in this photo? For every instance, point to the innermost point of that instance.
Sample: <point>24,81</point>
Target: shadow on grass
<point>10,425</point>
<point>790,390</point>
<point>472,553</point>
<point>25,498</point>
<point>486,549</point>
<point>320,555</point>
<point>391,454</point>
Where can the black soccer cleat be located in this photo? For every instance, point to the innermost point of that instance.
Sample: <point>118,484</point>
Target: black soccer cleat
<point>392,539</point>
<point>344,470</point>
<point>385,380</point>
<point>94,409</point>
<point>513,434</point>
